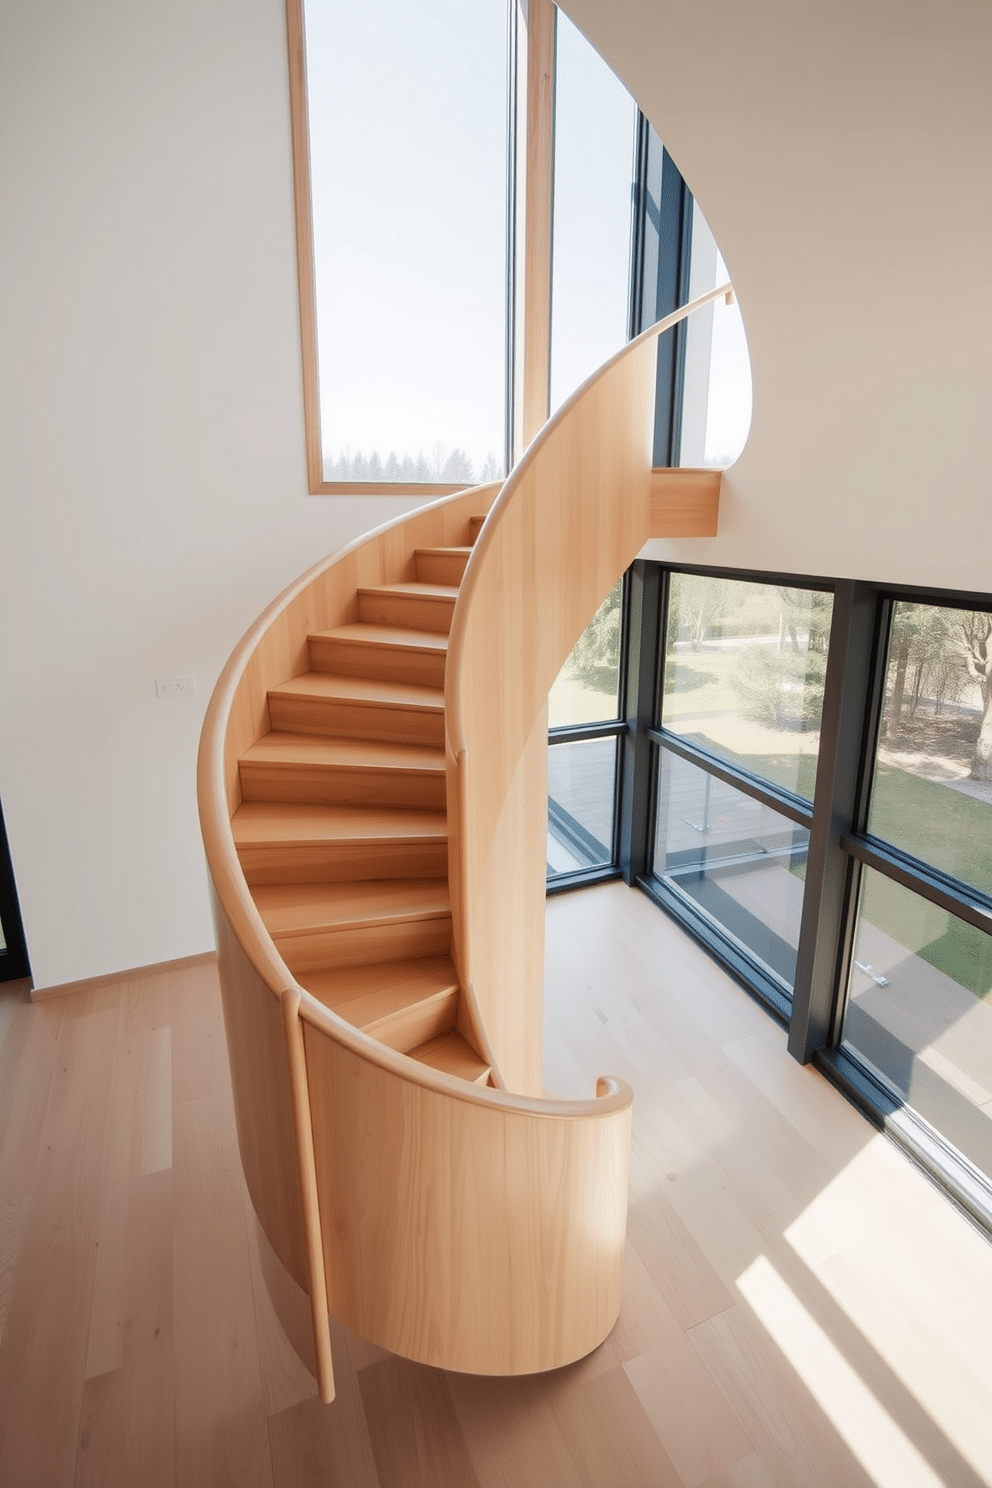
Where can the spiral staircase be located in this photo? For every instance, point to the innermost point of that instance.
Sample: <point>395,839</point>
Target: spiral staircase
<point>372,784</point>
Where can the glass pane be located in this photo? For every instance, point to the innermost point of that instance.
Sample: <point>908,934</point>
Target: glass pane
<point>744,672</point>
<point>409,224</point>
<point>581,795</point>
<point>586,689</point>
<point>932,790</point>
<point>738,860</point>
<point>716,405</point>
<point>920,1010</point>
<point>595,120</point>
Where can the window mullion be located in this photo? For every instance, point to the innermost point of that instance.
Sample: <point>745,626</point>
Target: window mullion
<point>831,879</point>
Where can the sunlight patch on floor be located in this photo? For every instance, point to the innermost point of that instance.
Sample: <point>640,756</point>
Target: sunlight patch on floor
<point>881,1447</point>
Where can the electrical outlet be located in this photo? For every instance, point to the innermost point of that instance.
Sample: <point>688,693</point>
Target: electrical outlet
<point>170,687</point>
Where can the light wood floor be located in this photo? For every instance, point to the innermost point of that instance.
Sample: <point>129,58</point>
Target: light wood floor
<point>801,1307</point>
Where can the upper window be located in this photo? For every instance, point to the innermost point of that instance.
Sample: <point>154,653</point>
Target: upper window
<point>744,673</point>
<point>932,788</point>
<point>595,125</point>
<point>407,124</point>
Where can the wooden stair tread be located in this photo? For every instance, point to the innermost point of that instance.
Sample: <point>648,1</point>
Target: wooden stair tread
<point>286,749</point>
<point>400,1003</point>
<point>456,552</point>
<point>274,823</point>
<point>414,589</point>
<point>297,908</point>
<point>449,1052</point>
<point>396,637</point>
<point>326,685</point>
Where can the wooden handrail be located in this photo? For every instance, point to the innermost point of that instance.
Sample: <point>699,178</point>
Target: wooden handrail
<point>453,700</point>
<point>570,519</point>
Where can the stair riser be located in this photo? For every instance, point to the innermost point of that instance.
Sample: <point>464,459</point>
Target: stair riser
<point>363,945</point>
<point>343,863</point>
<point>441,568</point>
<point>357,720</point>
<point>474,528</point>
<point>406,610</point>
<point>385,663</point>
<point>415,1025</point>
<point>342,786</point>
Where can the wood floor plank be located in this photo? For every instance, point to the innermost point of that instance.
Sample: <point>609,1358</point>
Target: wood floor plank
<point>44,1346</point>
<point>199,1044</point>
<point>414,1428</point>
<point>688,1410</point>
<point>286,1381</point>
<point>139,1140</point>
<point>206,1163</point>
<point>13,1213</point>
<point>609,1436</point>
<point>937,1350</point>
<point>781,1418</point>
<point>679,1269</point>
<point>126,1432</point>
<point>511,1432</point>
<point>221,1430</point>
<point>323,1446</point>
<point>750,1472</point>
<point>31,1045</point>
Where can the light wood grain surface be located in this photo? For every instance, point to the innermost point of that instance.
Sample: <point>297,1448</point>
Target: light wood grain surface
<point>569,520</point>
<point>800,1306</point>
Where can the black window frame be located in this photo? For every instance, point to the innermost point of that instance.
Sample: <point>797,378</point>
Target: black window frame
<point>14,964</point>
<point>839,844</point>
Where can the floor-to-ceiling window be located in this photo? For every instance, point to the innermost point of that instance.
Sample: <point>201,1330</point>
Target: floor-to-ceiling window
<point>809,792</point>
<point>736,739</point>
<point>584,721</point>
<point>918,1011</point>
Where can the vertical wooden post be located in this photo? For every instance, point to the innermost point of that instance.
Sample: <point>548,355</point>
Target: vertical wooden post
<point>308,1188</point>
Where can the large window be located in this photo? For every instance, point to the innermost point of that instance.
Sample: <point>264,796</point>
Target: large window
<point>919,1008</point>
<point>595,119</point>
<point>584,721</point>
<point>805,782</point>
<point>736,736</point>
<point>408,178</point>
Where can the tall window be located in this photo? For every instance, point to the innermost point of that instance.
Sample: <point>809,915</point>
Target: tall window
<point>595,123</point>
<point>919,1008</point>
<point>407,125</point>
<point>736,756</point>
<point>584,724</point>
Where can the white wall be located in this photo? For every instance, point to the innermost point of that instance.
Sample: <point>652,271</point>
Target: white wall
<point>840,152</point>
<point>151,456</point>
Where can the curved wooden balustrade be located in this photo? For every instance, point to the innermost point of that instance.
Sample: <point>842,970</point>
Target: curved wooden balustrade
<point>570,519</point>
<point>453,1223</point>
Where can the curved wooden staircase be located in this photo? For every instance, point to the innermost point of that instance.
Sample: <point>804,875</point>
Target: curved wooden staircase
<point>341,832</point>
<point>372,787</point>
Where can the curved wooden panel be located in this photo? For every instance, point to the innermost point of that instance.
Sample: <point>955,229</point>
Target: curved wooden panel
<point>468,1234</point>
<point>570,519</point>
